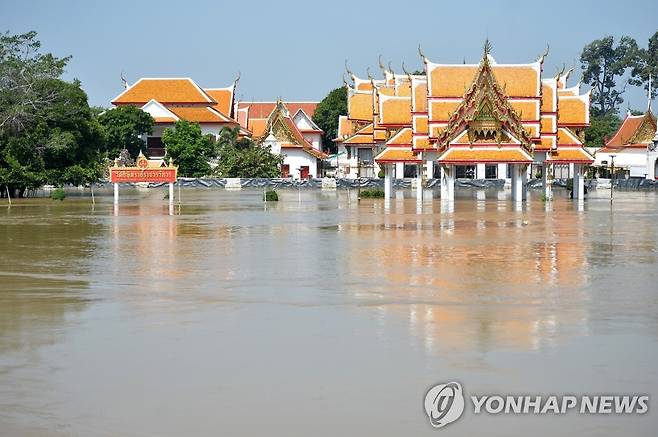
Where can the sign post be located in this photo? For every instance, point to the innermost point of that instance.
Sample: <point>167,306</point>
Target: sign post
<point>145,171</point>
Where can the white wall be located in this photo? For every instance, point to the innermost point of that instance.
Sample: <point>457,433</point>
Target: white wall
<point>634,160</point>
<point>297,158</point>
<point>313,138</point>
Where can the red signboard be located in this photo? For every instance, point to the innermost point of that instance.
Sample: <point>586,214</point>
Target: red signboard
<point>136,174</point>
<point>144,171</point>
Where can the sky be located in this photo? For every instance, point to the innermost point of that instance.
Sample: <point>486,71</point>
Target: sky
<point>296,50</point>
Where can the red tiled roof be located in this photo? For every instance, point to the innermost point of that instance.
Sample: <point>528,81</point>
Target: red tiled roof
<point>626,131</point>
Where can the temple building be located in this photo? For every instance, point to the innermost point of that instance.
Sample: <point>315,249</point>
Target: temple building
<point>632,149</point>
<point>171,99</point>
<point>288,129</point>
<point>485,120</point>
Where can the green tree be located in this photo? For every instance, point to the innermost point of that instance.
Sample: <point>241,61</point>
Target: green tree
<point>123,126</point>
<point>603,64</point>
<point>189,149</point>
<point>48,133</point>
<point>645,64</point>
<point>601,128</point>
<point>327,113</point>
<point>241,157</point>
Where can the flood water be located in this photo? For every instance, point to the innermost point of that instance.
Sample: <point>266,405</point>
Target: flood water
<point>318,315</point>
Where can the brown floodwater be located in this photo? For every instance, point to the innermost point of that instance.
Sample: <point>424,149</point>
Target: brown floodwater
<point>318,315</point>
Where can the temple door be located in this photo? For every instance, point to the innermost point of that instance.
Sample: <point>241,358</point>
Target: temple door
<point>285,170</point>
<point>303,172</point>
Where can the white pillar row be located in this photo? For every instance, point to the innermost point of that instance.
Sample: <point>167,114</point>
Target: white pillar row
<point>547,180</point>
<point>116,193</point>
<point>388,180</point>
<point>578,182</point>
<point>447,182</point>
<point>171,193</point>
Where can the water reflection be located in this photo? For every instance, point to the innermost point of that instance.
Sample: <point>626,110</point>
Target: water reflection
<point>324,295</point>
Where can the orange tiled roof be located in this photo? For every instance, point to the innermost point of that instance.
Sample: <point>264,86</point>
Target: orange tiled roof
<point>573,110</point>
<point>397,154</point>
<point>200,114</point>
<point>175,90</point>
<point>570,155</point>
<point>454,80</point>
<point>459,155</point>
<point>401,138</point>
<point>394,110</point>
<point>164,119</point>
<point>345,127</point>
<point>566,137</point>
<point>223,97</point>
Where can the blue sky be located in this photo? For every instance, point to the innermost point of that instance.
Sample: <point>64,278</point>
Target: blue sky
<point>296,49</point>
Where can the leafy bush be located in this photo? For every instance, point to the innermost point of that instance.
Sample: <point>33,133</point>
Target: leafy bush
<point>271,196</point>
<point>372,193</point>
<point>381,174</point>
<point>58,194</point>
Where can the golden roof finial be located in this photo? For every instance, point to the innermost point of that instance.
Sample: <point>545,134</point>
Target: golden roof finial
<point>349,72</point>
<point>369,75</point>
<point>237,78</point>
<point>543,55</point>
<point>381,65</point>
<point>487,46</point>
<point>404,69</point>
<point>422,55</point>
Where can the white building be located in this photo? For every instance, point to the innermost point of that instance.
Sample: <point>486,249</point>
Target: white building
<point>633,147</point>
<point>288,129</point>
<point>168,100</point>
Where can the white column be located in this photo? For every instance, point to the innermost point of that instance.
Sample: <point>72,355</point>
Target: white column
<point>517,181</point>
<point>480,171</point>
<point>448,183</point>
<point>171,193</point>
<point>388,180</point>
<point>430,169</point>
<point>399,170</point>
<point>116,193</point>
<point>578,182</point>
<point>547,181</point>
<point>524,181</point>
<point>502,171</point>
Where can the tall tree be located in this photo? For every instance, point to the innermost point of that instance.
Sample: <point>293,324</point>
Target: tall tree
<point>48,134</point>
<point>327,113</point>
<point>189,149</point>
<point>603,64</point>
<point>645,64</point>
<point>123,125</point>
<point>22,71</point>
